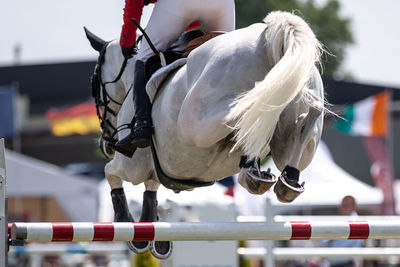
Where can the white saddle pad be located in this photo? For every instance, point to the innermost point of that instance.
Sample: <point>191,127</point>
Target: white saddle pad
<point>158,77</point>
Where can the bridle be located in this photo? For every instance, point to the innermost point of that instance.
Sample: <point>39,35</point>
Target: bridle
<point>102,100</point>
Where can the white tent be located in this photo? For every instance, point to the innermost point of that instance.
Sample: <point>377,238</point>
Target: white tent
<point>198,200</point>
<point>29,177</point>
<point>325,185</point>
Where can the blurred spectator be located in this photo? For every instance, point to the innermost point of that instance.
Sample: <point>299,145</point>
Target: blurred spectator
<point>348,207</point>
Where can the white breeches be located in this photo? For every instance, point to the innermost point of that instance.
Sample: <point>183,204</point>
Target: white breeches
<point>170,18</point>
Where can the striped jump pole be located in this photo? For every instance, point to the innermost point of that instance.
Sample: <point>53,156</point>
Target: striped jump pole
<point>191,231</point>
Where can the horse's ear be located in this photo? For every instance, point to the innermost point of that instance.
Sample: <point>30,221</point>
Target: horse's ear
<point>96,42</point>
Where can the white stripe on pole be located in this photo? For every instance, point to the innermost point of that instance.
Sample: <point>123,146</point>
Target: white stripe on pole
<point>39,232</point>
<point>124,232</point>
<point>326,229</point>
<point>83,231</point>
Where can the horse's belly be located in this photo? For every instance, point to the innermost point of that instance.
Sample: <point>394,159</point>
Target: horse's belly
<point>206,164</point>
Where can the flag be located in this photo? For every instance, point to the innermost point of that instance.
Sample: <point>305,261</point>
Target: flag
<point>382,172</point>
<point>368,117</point>
<point>79,119</point>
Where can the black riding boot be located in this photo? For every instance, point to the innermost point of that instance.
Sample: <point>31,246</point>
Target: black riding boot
<point>141,125</point>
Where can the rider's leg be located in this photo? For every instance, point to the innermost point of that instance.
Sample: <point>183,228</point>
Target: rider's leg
<point>168,20</point>
<point>141,124</point>
<point>161,36</point>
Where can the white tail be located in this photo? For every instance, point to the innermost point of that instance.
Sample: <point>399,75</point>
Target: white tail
<point>295,50</point>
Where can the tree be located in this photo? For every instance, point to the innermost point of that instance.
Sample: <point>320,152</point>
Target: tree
<point>329,27</point>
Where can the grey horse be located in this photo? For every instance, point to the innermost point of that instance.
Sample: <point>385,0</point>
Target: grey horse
<point>240,97</point>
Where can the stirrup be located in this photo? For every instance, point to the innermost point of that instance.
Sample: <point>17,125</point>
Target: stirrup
<point>128,152</point>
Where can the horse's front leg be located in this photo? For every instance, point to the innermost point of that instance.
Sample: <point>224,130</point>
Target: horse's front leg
<point>118,198</point>
<point>120,206</point>
<point>160,249</point>
<point>120,168</point>
<point>288,187</point>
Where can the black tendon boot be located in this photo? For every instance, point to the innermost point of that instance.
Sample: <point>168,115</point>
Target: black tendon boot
<point>141,124</point>
<point>149,214</point>
<point>149,207</point>
<point>120,205</point>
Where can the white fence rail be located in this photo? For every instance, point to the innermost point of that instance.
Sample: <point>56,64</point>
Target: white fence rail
<point>186,231</point>
<point>326,253</point>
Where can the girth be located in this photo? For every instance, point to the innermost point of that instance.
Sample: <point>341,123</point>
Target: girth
<point>173,183</point>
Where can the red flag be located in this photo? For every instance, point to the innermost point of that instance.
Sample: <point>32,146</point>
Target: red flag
<point>382,172</point>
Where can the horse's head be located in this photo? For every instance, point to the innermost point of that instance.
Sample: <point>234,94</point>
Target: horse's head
<point>110,83</point>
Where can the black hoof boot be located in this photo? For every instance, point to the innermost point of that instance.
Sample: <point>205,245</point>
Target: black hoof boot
<point>139,247</point>
<point>161,249</point>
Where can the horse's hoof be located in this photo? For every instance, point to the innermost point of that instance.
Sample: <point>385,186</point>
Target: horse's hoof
<point>259,185</point>
<point>287,190</point>
<point>139,247</point>
<point>161,249</point>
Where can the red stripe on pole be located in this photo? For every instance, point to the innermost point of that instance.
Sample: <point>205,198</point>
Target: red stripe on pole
<point>301,230</point>
<point>62,232</point>
<point>9,229</point>
<point>103,232</point>
<point>359,230</point>
<point>144,231</point>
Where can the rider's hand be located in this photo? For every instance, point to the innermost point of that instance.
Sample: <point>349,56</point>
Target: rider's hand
<point>130,51</point>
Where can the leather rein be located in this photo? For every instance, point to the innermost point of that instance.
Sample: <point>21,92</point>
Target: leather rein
<point>102,100</point>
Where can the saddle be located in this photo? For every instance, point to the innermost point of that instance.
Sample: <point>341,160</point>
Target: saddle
<point>181,48</point>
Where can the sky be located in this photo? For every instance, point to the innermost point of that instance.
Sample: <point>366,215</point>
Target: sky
<point>50,31</point>
<point>374,58</point>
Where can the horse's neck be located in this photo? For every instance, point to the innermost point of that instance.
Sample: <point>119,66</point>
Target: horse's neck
<point>114,61</point>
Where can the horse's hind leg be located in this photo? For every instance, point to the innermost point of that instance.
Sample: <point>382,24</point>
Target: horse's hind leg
<point>252,178</point>
<point>288,188</point>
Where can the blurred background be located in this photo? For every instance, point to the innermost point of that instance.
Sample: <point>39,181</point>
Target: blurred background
<point>48,118</point>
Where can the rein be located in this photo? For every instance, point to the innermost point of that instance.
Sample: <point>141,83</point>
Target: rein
<point>102,98</point>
